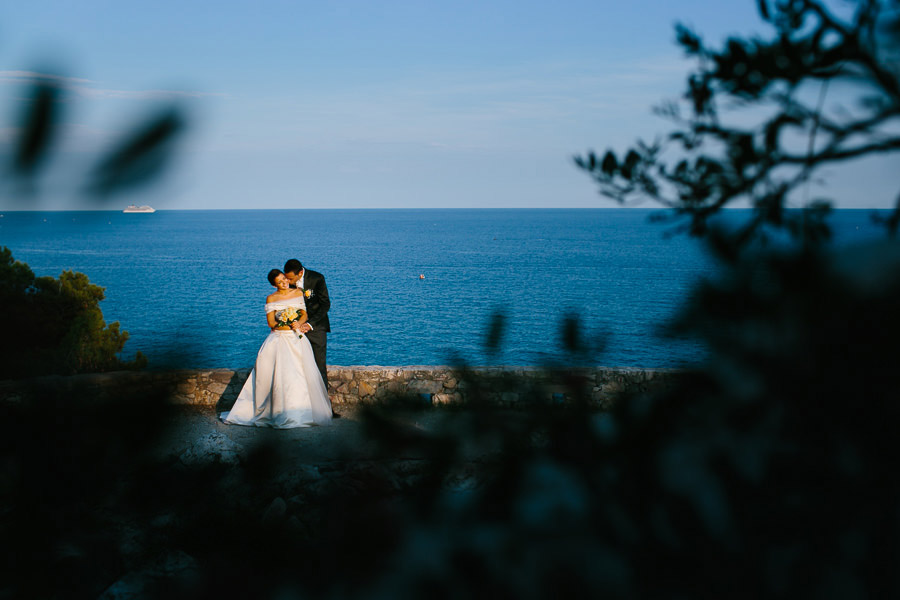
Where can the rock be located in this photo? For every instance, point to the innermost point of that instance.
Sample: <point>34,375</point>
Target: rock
<point>461,479</point>
<point>211,448</point>
<point>446,398</point>
<point>365,389</point>
<point>222,376</point>
<point>420,386</point>
<point>509,397</point>
<point>217,388</point>
<point>175,571</point>
<point>275,512</point>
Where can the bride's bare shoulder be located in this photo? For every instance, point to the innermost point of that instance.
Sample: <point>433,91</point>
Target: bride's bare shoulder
<point>275,297</point>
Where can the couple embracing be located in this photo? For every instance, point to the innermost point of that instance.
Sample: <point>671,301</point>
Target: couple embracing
<point>288,386</point>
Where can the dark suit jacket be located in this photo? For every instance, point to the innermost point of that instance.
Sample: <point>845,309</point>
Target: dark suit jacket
<point>318,303</point>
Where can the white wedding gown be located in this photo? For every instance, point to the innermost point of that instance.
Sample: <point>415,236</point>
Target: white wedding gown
<point>284,389</point>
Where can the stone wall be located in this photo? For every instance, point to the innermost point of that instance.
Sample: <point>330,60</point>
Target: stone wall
<point>504,386</point>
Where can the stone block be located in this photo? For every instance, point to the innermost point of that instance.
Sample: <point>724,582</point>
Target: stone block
<point>222,376</point>
<point>421,386</point>
<point>216,388</point>
<point>365,389</point>
<point>613,387</point>
<point>180,399</point>
<point>443,399</point>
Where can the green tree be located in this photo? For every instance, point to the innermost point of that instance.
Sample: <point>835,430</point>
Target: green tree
<point>55,326</point>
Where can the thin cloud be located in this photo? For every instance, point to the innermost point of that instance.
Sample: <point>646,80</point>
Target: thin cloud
<point>31,76</point>
<point>143,94</point>
<point>86,87</point>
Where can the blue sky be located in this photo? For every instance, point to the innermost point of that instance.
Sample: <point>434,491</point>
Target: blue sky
<point>368,104</point>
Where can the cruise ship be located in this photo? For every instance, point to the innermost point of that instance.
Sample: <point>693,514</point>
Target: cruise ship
<point>132,208</point>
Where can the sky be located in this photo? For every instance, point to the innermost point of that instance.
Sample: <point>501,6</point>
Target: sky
<point>365,104</point>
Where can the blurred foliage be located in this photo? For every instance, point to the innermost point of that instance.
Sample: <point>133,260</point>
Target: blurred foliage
<point>715,164</point>
<point>39,119</point>
<point>140,157</point>
<point>55,326</point>
<point>134,160</point>
<point>766,472</point>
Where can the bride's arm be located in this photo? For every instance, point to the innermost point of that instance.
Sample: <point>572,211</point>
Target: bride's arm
<point>270,318</point>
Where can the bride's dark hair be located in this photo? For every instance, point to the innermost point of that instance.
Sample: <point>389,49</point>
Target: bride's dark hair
<point>273,274</point>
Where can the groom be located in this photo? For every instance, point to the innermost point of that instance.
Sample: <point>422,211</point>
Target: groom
<point>315,293</point>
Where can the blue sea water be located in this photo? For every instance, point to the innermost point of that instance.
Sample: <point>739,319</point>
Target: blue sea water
<point>189,286</point>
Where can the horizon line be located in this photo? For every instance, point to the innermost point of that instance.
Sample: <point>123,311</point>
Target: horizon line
<point>476,208</point>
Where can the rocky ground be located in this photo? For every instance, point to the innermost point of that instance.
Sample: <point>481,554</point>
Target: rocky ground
<point>195,434</point>
<point>276,482</point>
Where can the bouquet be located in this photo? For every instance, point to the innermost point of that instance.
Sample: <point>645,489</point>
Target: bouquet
<point>286,317</point>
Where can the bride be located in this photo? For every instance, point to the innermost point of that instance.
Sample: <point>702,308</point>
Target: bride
<point>285,388</point>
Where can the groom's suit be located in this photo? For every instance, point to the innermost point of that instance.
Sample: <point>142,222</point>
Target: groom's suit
<point>315,292</point>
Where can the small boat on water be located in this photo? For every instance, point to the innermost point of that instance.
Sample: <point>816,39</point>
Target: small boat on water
<point>132,208</point>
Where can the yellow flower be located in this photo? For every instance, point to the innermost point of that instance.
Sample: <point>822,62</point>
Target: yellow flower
<point>288,314</point>
<point>307,293</point>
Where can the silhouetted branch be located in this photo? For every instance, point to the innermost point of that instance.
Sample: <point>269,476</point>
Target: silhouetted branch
<point>748,163</point>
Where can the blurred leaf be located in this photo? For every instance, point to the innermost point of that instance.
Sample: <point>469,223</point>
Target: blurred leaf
<point>570,337</point>
<point>700,94</point>
<point>39,124</point>
<point>610,164</point>
<point>495,332</point>
<point>139,156</point>
<point>688,39</point>
<point>632,160</point>
<point>890,223</point>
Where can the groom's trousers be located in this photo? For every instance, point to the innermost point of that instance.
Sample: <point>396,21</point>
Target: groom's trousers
<point>319,340</point>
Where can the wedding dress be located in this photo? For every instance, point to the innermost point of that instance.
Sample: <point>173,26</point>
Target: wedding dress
<point>284,389</point>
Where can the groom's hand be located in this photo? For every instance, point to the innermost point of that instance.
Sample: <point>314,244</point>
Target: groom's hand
<point>301,327</point>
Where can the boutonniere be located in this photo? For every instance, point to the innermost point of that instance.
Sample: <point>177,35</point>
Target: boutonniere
<point>308,293</point>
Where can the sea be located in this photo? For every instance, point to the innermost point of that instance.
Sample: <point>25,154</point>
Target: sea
<point>407,287</point>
